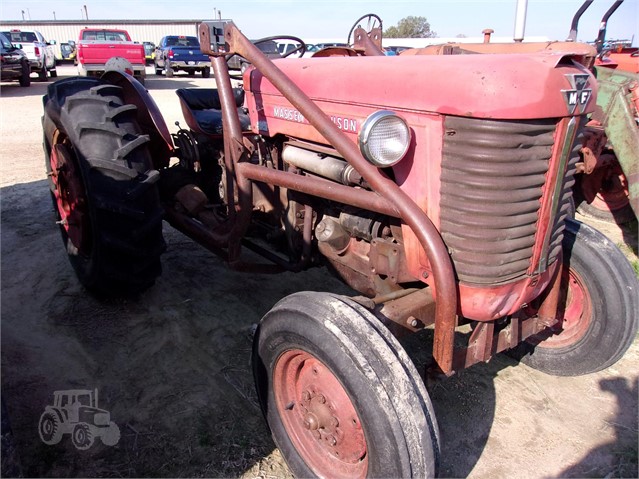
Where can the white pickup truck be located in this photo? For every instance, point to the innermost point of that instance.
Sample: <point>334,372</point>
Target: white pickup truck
<point>39,52</point>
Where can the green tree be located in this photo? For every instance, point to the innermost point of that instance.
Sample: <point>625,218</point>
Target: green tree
<point>411,27</point>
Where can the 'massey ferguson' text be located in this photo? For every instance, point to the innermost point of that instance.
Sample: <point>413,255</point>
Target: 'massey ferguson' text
<point>291,114</point>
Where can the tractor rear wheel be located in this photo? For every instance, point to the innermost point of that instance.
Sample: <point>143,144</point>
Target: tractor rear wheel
<point>340,394</point>
<point>600,314</point>
<point>82,437</point>
<point>608,188</point>
<point>104,187</point>
<point>50,428</point>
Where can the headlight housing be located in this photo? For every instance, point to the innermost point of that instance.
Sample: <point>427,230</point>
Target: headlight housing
<point>384,138</point>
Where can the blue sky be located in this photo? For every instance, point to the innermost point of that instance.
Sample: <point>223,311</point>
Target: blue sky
<point>317,18</point>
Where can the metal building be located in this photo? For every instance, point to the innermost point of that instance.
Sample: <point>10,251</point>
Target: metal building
<point>140,30</point>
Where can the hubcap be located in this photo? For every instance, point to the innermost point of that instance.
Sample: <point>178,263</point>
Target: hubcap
<point>318,416</point>
<point>70,198</point>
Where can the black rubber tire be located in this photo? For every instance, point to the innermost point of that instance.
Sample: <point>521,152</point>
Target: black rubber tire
<point>25,78</point>
<point>614,291</point>
<point>158,70</point>
<point>49,428</point>
<point>82,437</point>
<point>53,73</point>
<point>382,383</point>
<point>123,206</point>
<point>43,74</point>
<point>621,216</point>
<point>206,72</point>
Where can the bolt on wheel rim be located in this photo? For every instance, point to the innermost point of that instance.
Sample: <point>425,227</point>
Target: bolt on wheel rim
<point>318,416</point>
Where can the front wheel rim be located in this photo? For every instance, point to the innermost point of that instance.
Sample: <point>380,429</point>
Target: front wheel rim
<point>318,416</point>
<point>577,314</point>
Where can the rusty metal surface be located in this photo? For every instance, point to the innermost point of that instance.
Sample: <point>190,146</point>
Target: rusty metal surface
<point>617,110</point>
<point>492,178</point>
<point>582,52</point>
<point>426,232</point>
<point>368,43</point>
<point>318,187</point>
<point>485,341</point>
<point>409,313</point>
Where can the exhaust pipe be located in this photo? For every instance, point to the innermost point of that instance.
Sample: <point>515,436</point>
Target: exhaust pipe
<point>520,20</point>
<point>604,23</point>
<point>572,36</point>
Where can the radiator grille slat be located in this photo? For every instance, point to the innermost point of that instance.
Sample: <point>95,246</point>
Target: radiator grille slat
<point>492,178</point>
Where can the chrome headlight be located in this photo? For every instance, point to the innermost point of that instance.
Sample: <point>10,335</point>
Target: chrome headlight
<point>384,138</point>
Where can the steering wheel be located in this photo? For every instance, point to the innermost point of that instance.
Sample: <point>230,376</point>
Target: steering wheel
<point>372,21</point>
<point>300,49</point>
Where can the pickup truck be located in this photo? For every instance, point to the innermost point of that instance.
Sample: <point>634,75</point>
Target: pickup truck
<point>97,47</point>
<point>39,52</point>
<point>178,52</point>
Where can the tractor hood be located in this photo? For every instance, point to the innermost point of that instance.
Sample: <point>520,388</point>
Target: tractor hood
<point>499,86</point>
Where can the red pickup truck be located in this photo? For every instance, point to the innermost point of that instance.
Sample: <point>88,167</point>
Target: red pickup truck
<point>96,47</point>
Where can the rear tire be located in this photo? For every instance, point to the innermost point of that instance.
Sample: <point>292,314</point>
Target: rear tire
<point>43,74</point>
<point>600,318</point>
<point>49,428</point>
<point>340,394</point>
<point>104,187</point>
<point>206,72</point>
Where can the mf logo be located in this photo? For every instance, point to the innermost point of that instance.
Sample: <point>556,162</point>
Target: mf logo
<point>577,98</point>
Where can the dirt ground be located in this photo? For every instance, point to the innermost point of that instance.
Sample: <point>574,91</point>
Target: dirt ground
<point>172,366</point>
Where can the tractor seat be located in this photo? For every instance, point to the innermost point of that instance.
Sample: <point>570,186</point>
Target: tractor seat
<point>202,109</point>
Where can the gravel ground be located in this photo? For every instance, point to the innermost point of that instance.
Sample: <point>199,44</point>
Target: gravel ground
<point>172,366</point>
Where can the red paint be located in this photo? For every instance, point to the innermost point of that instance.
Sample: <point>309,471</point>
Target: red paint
<point>318,416</point>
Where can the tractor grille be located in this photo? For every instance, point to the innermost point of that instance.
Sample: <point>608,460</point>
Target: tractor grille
<point>493,172</point>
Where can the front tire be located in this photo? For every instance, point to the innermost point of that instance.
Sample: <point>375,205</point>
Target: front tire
<point>339,393</point>
<point>25,78</point>
<point>600,315</point>
<point>82,436</point>
<point>104,187</point>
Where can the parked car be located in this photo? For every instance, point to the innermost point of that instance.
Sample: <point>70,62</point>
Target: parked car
<point>39,52</point>
<point>14,64</point>
<point>102,49</point>
<point>66,52</point>
<point>149,52</point>
<point>179,52</point>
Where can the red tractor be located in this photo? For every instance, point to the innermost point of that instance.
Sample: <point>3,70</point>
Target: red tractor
<point>438,187</point>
